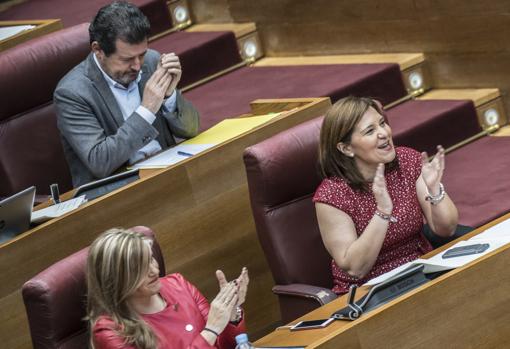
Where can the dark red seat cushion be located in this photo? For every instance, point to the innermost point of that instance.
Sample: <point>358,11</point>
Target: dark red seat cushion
<point>230,95</point>
<point>423,124</point>
<point>75,12</point>
<point>201,53</point>
<point>282,178</point>
<point>476,178</point>
<point>30,148</point>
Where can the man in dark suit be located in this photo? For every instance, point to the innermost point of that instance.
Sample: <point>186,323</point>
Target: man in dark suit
<point>120,104</point>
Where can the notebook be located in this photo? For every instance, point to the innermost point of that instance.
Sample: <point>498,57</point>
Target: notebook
<point>15,213</point>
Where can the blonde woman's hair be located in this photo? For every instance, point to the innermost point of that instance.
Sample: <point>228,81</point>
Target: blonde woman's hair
<point>117,262</point>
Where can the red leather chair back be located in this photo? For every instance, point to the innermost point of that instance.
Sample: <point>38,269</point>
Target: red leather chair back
<point>55,300</point>
<point>282,178</point>
<point>30,149</point>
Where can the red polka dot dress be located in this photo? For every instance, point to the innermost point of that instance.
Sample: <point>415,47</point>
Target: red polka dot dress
<point>404,239</point>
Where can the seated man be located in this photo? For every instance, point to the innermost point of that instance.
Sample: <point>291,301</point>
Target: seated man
<point>120,104</point>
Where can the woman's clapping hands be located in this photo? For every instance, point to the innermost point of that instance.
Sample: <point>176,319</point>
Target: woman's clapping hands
<point>242,286</point>
<point>432,172</point>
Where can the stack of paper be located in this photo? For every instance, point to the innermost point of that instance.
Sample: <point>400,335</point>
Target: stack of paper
<point>57,210</point>
<point>221,132</point>
<point>172,155</point>
<point>496,236</point>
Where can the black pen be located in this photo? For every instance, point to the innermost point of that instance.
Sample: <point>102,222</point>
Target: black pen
<point>183,153</point>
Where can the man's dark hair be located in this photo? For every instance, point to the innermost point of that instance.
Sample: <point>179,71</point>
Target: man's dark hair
<point>119,20</point>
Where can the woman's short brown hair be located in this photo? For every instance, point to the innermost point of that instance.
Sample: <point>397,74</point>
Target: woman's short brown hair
<point>338,126</point>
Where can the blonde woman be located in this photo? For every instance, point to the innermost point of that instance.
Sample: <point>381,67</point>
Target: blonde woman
<point>130,307</point>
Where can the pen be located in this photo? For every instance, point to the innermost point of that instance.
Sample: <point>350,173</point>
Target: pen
<point>183,153</point>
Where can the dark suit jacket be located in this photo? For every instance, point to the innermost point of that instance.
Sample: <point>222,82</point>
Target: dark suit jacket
<point>96,138</point>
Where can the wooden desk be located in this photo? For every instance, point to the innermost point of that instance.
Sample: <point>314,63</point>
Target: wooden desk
<point>199,210</point>
<point>465,308</point>
<point>43,27</point>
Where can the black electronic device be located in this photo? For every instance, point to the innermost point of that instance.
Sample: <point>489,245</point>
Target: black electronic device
<point>311,324</point>
<point>381,293</point>
<point>103,186</point>
<point>15,214</point>
<point>465,250</point>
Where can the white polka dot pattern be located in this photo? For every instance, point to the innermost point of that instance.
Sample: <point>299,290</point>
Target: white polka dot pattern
<point>404,240</point>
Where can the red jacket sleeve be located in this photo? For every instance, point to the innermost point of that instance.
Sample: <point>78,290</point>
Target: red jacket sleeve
<point>105,337</point>
<point>226,340</point>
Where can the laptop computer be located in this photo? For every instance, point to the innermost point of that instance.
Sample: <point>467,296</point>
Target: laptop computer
<point>15,213</point>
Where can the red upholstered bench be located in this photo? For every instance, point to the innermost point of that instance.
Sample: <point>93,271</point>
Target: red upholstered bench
<point>30,148</point>
<point>477,177</point>
<point>230,95</point>
<point>423,125</point>
<point>202,54</point>
<point>75,12</point>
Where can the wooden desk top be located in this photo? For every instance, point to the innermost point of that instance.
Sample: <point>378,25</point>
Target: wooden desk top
<point>395,317</point>
<point>43,27</point>
<point>199,210</point>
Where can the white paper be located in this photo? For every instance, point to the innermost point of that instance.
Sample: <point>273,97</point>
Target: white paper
<point>7,32</point>
<point>498,232</point>
<point>437,263</point>
<point>57,210</point>
<point>172,155</point>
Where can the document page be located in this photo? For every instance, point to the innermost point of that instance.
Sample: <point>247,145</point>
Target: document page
<point>172,155</point>
<point>438,263</point>
<point>7,32</point>
<point>500,231</point>
<point>57,210</point>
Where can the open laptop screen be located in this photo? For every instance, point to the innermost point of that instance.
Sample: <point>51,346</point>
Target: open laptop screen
<point>15,213</point>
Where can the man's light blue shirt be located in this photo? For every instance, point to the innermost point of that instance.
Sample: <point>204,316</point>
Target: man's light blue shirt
<point>129,101</point>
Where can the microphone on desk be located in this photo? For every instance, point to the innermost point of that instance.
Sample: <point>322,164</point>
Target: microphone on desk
<point>55,194</point>
<point>356,310</point>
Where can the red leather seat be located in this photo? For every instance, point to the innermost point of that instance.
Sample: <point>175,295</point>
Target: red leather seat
<point>30,149</point>
<point>282,178</point>
<point>55,300</point>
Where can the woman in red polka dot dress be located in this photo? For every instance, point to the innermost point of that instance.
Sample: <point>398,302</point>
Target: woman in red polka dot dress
<point>374,197</point>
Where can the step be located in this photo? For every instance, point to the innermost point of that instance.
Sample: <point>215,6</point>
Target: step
<point>488,103</point>
<point>414,70</point>
<point>477,180</point>
<point>502,132</point>
<point>246,35</point>
<point>404,60</point>
<point>239,29</point>
<point>76,12</point>
<point>424,124</point>
<point>201,54</point>
<point>230,95</point>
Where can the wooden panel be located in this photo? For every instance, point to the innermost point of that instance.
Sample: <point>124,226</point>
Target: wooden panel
<point>239,29</point>
<point>467,307</point>
<point>213,11</point>
<point>466,43</point>
<point>199,210</point>
<point>43,27</point>
<point>404,60</point>
<point>478,96</point>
